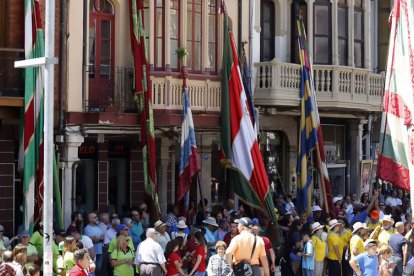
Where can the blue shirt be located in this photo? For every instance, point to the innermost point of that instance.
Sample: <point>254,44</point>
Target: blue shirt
<point>368,264</point>
<point>308,262</point>
<point>209,237</point>
<point>97,232</point>
<point>361,217</point>
<point>136,232</point>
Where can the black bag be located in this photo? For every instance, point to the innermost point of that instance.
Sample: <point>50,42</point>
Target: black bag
<point>244,268</point>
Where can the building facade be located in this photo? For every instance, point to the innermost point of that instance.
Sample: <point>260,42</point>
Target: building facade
<point>97,124</point>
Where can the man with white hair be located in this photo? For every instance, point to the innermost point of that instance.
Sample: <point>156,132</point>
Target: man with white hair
<point>150,255</point>
<point>399,246</point>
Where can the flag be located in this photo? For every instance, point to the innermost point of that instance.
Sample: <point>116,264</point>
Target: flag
<point>33,118</point>
<point>395,161</point>
<point>247,80</point>
<point>142,91</point>
<point>311,151</point>
<point>189,161</point>
<point>245,168</point>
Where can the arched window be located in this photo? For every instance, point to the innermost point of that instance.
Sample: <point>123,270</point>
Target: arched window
<point>343,32</point>
<point>322,42</point>
<point>101,53</point>
<point>358,34</point>
<point>194,31</point>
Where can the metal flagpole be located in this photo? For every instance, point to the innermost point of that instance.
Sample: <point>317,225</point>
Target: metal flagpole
<point>48,61</point>
<point>48,139</point>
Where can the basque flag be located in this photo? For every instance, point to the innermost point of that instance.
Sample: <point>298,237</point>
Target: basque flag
<point>189,162</point>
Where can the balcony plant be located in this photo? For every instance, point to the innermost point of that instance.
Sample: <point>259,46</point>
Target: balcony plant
<point>181,53</point>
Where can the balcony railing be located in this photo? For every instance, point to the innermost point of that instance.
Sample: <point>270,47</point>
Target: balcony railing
<point>110,90</point>
<point>205,95</point>
<point>11,79</point>
<point>279,83</point>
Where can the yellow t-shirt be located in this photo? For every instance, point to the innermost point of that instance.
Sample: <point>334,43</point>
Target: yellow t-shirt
<point>356,242</point>
<point>372,225</point>
<point>346,236</point>
<point>319,248</point>
<point>384,235</point>
<point>334,239</point>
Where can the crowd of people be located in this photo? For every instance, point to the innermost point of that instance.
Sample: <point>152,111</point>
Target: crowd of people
<point>368,236</point>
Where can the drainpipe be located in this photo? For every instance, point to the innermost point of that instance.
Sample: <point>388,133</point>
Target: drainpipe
<point>239,26</point>
<point>63,63</point>
<point>74,169</point>
<point>84,51</point>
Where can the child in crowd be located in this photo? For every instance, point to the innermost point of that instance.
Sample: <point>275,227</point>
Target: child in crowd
<point>308,256</point>
<point>385,268</point>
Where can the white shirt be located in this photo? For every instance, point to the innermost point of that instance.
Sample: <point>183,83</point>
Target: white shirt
<point>393,201</point>
<point>163,239</point>
<point>149,251</point>
<point>110,234</point>
<point>87,242</point>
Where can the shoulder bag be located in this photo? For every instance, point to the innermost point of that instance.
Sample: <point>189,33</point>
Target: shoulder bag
<point>244,268</point>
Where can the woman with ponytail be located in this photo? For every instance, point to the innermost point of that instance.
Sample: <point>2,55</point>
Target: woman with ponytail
<point>200,255</point>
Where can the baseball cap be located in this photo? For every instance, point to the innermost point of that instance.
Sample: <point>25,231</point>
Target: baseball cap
<point>245,221</point>
<point>255,221</point>
<point>121,227</point>
<point>375,214</point>
<point>24,234</point>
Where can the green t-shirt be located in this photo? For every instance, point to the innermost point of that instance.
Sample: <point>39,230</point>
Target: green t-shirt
<point>123,269</point>
<point>68,261</point>
<point>31,250</point>
<point>112,245</point>
<point>37,240</point>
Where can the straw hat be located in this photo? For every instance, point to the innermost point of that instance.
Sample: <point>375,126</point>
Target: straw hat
<point>316,226</point>
<point>211,221</point>
<point>159,223</point>
<point>336,199</point>
<point>368,241</point>
<point>358,225</point>
<point>333,223</point>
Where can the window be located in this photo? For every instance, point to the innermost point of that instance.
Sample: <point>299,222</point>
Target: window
<point>101,54</point>
<point>159,35</point>
<point>322,32</point>
<point>174,32</point>
<point>358,34</point>
<point>194,30</point>
<point>343,32</point>
<point>383,33</point>
<point>212,35</point>
<point>267,35</point>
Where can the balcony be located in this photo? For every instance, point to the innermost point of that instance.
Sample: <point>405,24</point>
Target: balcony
<point>336,87</point>
<point>111,91</point>
<point>11,79</point>
<point>167,93</point>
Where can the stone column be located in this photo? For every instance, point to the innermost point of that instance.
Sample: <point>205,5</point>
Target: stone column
<point>73,139</point>
<point>353,152</point>
<point>167,36</point>
<point>206,141</point>
<point>309,4</point>
<point>351,59</point>
<point>151,53</point>
<point>335,56</point>
<point>360,135</point>
<point>166,193</point>
<point>366,7</point>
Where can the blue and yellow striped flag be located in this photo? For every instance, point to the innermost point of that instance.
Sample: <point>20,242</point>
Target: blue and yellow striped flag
<point>311,152</point>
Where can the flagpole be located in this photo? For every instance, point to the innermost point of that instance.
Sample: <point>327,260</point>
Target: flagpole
<point>48,139</point>
<point>201,195</point>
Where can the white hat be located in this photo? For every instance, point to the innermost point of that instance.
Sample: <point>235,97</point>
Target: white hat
<point>333,223</point>
<point>315,226</point>
<point>368,241</point>
<point>388,218</point>
<point>211,221</point>
<point>336,199</point>
<point>181,225</point>
<point>316,208</point>
<point>358,225</point>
